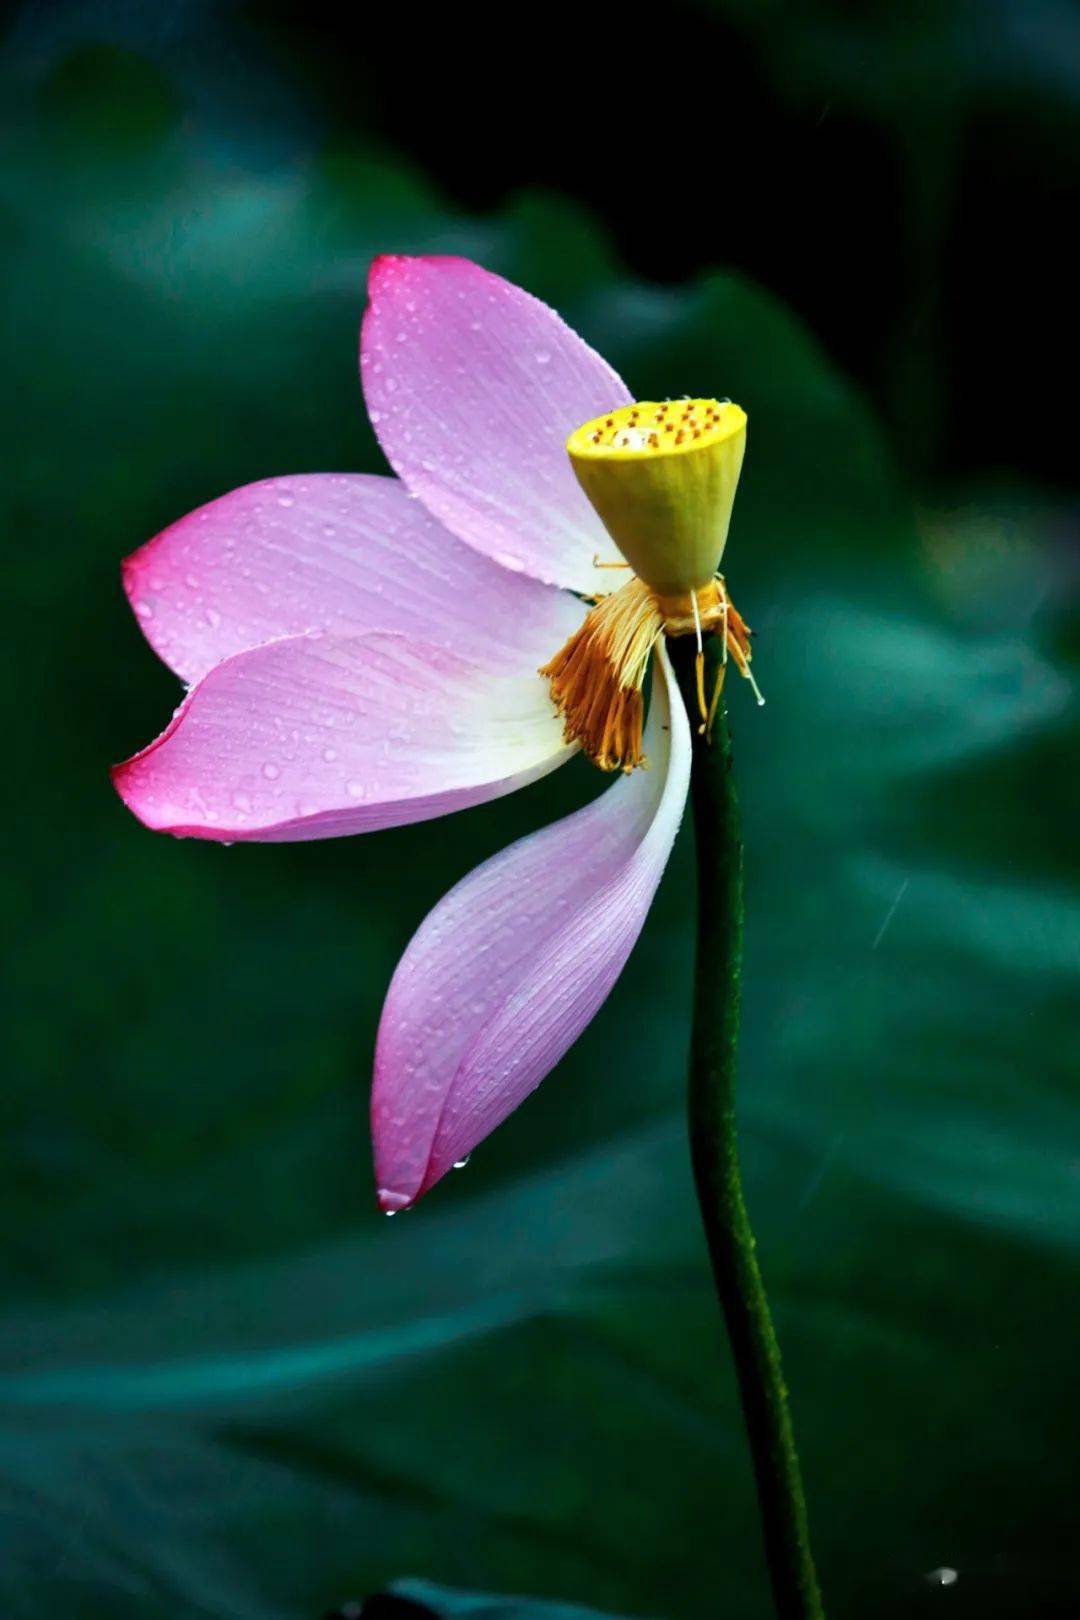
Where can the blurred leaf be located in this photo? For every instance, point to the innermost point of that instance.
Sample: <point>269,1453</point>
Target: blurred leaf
<point>440,1600</point>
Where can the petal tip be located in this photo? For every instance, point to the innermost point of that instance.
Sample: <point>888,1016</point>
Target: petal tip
<point>392,1203</point>
<point>131,571</point>
<point>383,265</point>
<point>120,777</point>
<point>124,778</point>
<point>387,267</point>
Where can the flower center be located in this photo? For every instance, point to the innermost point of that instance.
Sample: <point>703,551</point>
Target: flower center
<point>662,478</point>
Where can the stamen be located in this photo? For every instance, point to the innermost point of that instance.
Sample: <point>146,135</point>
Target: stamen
<point>742,661</point>
<point>754,687</point>
<point>703,610</point>
<point>699,664</point>
<point>598,676</point>
<point>714,702</point>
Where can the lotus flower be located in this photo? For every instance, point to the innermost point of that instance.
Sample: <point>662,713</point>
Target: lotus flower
<point>366,651</point>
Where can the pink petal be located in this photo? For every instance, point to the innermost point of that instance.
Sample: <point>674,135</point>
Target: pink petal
<point>473,387</point>
<point>317,736</point>
<point>331,551</point>
<point>512,964</point>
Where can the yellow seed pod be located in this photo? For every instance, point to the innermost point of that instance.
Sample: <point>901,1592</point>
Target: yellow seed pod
<point>662,478</point>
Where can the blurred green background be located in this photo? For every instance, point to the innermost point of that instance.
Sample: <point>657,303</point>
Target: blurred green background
<point>229,1388</point>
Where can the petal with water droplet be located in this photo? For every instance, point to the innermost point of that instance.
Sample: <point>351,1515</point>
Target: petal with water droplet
<point>417,731</point>
<point>344,552</point>
<point>513,963</point>
<point>487,386</point>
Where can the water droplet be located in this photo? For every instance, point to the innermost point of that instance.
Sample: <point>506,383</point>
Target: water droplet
<point>543,358</point>
<point>286,500</point>
<point>329,754</point>
<point>144,610</point>
<point>271,771</point>
<point>213,618</point>
<point>459,1164</point>
<point>355,790</point>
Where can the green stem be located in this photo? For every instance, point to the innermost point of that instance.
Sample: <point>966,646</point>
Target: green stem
<point>715,1154</point>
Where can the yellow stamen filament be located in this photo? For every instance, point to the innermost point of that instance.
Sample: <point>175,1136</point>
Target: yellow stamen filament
<point>699,663</point>
<point>699,677</point>
<point>598,676</point>
<point>714,702</point>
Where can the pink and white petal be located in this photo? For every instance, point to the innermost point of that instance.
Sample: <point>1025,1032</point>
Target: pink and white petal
<point>509,968</point>
<point>473,387</point>
<point>344,552</point>
<point>320,736</point>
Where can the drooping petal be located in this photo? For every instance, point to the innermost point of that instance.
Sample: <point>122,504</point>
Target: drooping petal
<point>343,552</point>
<point>473,387</point>
<point>319,736</point>
<point>512,964</point>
